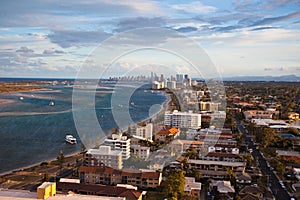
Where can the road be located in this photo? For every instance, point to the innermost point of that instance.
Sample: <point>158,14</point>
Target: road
<point>277,190</point>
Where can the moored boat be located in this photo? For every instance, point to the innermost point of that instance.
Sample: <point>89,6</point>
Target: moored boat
<point>70,139</point>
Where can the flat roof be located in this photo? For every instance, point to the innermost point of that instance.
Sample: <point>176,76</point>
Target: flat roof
<point>211,162</point>
<point>46,184</point>
<point>83,197</point>
<point>7,194</point>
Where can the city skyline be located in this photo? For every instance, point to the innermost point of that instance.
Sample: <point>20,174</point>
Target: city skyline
<point>53,39</point>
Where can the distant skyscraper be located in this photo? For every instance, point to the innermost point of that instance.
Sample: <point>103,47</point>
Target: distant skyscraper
<point>162,77</point>
<point>186,77</point>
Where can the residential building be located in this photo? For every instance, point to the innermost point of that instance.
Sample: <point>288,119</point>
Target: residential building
<point>165,133</point>
<point>258,114</point>
<point>143,131</point>
<point>294,116</point>
<point>183,119</point>
<point>180,146</point>
<point>110,176</point>
<point>191,187</point>
<point>224,148</point>
<point>222,190</point>
<point>102,191</point>
<point>104,156</point>
<point>209,132</point>
<point>141,151</point>
<point>216,166</point>
<point>221,156</point>
<point>254,191</point>
<point>209,106</point>
<point>244,178</point>
<point>119,142</point>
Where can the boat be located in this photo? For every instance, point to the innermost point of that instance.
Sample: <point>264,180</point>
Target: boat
<point>70,139</point>
<point>51,103</point>
<point>21,98</point>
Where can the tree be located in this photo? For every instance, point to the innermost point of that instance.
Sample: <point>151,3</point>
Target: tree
<point>60,159</point>
<point>174,184</point>
<point>46,177</point>
<point>192,154</point>
<point>249,160</point>
<point>294,131</point>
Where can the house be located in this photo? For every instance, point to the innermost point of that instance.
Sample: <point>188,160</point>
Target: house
<point>244,178</point>
<point>165,133</point>
<point>222,189</point>
<point>191,187</point>
<point>255,191</point>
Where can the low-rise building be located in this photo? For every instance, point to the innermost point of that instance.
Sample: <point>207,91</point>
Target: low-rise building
<point>47,189</point>
<point>222,189</point>
<point>102,191</point>
<point>258,114</point>
<point>237,167</point>
<point>293,116</point>
<point>221,156</point>
<point>165,133</point>
<point>209,106</point>
<point>191,187</point>
<point>141,151</point>
<point>110,176</point>
<point>181,146</point>
<point>244,178</point>
<point>104,156</point>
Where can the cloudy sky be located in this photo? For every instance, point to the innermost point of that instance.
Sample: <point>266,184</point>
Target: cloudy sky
<point>52,38</point>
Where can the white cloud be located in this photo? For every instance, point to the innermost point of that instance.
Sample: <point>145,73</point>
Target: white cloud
<point>195,7</point>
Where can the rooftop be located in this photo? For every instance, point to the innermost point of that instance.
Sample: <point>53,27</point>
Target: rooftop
<point>223,163</point>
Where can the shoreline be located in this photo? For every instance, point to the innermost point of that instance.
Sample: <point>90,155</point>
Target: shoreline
<point>164,106</point>
<point>35,164</point>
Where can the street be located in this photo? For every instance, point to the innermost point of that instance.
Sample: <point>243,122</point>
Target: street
<point>277,190</point>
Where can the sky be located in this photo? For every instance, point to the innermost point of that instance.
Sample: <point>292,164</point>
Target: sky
<point>58,38</point>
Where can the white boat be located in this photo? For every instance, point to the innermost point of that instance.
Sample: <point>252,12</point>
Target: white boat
<point>51,103</point>
<point>70,139</point>
<point>21,98</point>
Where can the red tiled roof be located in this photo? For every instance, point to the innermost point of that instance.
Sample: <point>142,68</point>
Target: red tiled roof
<point>108,170</point>
<point>150,175</point>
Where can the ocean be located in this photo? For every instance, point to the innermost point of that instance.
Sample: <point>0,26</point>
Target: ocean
<point>32,131</point>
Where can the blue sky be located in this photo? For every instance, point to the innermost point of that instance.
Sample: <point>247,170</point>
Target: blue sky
<point>242,37</point>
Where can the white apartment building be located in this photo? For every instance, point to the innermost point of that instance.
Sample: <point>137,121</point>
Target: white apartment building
<point>119,142</point>
<point>104,155</point>
<point>140,151</point>
<point>144,132</point>
<point>183,119</point>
